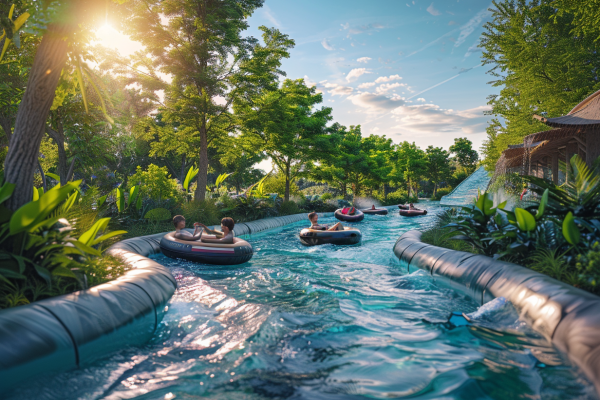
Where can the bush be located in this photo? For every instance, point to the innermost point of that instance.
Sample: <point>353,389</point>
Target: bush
<point>400,196</point>
<point>326,196</point>
<point>158,214</point>
<point>289,208</point>
<point>441,192</point>
<point>205,211</point>
<point>156,183</point>
<point>276,184</point>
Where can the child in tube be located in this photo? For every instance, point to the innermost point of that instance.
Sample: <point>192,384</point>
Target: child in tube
<point>225,236</point>
<point>313,217</point>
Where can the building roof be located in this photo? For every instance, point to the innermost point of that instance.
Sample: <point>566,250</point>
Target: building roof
<point>585,113</point>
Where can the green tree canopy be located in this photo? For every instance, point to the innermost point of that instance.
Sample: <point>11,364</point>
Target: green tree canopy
<point>438,166</point>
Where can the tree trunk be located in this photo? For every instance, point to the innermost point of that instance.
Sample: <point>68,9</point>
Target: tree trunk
<point>21,160</point>
<point>286,197</point>
<point>69,175</point>
<point>434,189</point>
<point>43,176</point>
<point>6,127</point>
<point>202,165</point>
<point>183,173</point>
<point>59,138</point>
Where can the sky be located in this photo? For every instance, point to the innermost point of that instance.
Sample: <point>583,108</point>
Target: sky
<point>409,70</point>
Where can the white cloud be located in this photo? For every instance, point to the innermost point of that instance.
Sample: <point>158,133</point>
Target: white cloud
<point>432,119</point>
<point>421,100</point>
<point>268,13</point>
<point>388,86</point>
<point>356,73</point>
<point>376,102</point>
<point>375,130</point>
<point>474,48</point>
<point>433,11</point>
<point>388,78</point>
<point>358,29</point>
<point>470,26</point>
<point>364,59</point>
<point>366,85</point>
<point>325,43</point>
<point>309,82</point>
<point>341,91</point>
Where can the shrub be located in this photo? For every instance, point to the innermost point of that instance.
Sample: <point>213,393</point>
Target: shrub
<point>400,196</point>
<point>158,214</point>
<point>156,183</point>
<point>276,184</point>
<point>205,211</point>
<point>289,208</point>
<point>326,196</point>
<point>441,192</point>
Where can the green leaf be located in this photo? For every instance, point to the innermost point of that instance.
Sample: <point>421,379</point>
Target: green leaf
<point>53,176</point>
<point>63,271</point>
<point>542,206</point>
<point>107,236</point>
<point>88,237</point>
<point>570,230</point>
<point>132,195</point>
<point>525,221</point>
<point>191,174</point>
<point>221,178</point>
<point>101,200</point>
<point>44,273</point>
<point>138,204</point>
<point>11,274</point>
<point>120,199</point>
<point>6,191</point>
<point>33,213</point>
<point>85,248</point>
<point>70,201</point>
<point>79,74</point>
<point>36,194</point>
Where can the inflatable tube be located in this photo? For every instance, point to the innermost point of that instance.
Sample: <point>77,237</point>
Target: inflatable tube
<point>412,213</point>
<point>73,330</point>
<point>311,237</point>
<point>238,252</point>
<point>565,315</point>
<point>358,216</point>
<point>403,207</point>
<point>377,211</point>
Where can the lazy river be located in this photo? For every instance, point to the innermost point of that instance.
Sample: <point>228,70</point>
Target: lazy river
<point>324,322</point>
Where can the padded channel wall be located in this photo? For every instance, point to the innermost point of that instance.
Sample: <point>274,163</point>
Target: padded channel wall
<point>70,331</point>
<point>567,316</point>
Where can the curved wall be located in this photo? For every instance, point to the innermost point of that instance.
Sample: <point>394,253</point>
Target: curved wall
<point>567,316</point>
<point>69,331</point>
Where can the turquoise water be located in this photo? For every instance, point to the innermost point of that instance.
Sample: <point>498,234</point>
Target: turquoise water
<point>326,322</point>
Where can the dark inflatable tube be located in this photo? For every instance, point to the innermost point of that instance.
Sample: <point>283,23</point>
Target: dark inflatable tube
<point>403,207</point>
<point>311,237</point>
<point>565,315</point>
<point>413,213</point>
<point>73,330</point>
<point>377,211</point>
<point>358,216</point>
<point>210,253</point>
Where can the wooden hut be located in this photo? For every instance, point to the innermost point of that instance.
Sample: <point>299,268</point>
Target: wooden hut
<point>578,132</point>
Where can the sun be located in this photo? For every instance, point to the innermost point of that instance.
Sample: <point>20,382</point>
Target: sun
<point>109,37</point>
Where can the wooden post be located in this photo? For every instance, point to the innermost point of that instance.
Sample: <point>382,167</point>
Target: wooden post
<point>592,150</point>
<point>555,167</point>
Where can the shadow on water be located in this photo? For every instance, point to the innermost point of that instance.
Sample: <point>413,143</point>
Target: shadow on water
<point>325,322</point>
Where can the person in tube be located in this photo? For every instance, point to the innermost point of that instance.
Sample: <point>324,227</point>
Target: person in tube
<point>225,236</point>
<point>313,217</point>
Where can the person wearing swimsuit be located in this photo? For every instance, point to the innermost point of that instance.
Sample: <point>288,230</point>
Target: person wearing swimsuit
<point>225,236</point>
<point>313,217</point>
<point>179,222</point>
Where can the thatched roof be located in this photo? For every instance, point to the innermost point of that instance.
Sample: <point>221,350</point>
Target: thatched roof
<point>586,113</point>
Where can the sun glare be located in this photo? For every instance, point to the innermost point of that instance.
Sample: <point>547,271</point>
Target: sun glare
<point>110,37</point>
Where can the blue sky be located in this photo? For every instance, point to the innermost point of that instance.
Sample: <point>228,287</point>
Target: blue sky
<point>378,63</point>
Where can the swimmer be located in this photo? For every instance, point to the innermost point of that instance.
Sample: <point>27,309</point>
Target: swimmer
<point>313,217</point>
<point>179,222</point>
<point>225,236</point>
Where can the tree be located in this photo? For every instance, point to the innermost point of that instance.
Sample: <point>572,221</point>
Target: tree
<point>465,156</point>
<point>211,64</point>
<point>413,165</point>
<point>438,166</point>
<point>69,27</point>
<point>539,62</point>
<point>292,130</point>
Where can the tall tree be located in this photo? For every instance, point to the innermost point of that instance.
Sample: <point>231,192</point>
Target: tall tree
<point>413,165</point>
<point>292,128</point>
<point>438,166</point>
<point>541,64</point>
<point>200,45</point>
<point>465,156</point>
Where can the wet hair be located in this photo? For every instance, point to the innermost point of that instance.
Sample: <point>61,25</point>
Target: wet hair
<point>177,219</point>
<point>312,215</point>
<point>228,222</point>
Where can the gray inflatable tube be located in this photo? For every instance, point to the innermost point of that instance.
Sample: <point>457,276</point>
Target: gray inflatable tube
<point>73,330</point>
<point>377,211</point>
<point>238,252</point>
<point>567,316</point>
<point>311,237</point>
